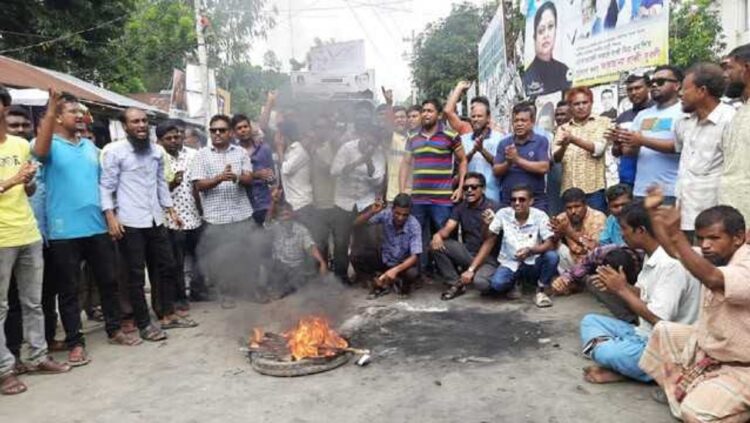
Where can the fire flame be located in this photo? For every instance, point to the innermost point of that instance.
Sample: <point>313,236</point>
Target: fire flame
<point>313,337</point>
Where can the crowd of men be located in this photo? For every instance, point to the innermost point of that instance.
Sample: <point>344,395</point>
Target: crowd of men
<point>650,220</point>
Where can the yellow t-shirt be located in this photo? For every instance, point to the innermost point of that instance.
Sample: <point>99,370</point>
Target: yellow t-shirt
<point>17,223</point>
<point>395,154</point>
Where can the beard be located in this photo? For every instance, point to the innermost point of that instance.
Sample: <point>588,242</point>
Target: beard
<point>140,145</point>
<point>735,89</point>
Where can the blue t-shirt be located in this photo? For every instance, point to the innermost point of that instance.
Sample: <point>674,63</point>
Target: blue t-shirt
<point>71,179</point>
<point>612,233</point>
<point>480,165</point>
<point>535,149</point>
<point>655,167</point>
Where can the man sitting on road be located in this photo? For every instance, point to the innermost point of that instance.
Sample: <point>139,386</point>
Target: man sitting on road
<point>618,196</point>
<point>527,250</point>
<point>704,369</point>
<point>583,275</point>
<point>451,255</point>
<point>664,291</point>
<point>400,250</point>
<point>577,229</point>
<point>292,246</point>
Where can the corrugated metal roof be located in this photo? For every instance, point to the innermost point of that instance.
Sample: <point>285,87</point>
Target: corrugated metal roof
<point>23,75</point>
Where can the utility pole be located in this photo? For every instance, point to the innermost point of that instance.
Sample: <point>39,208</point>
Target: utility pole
<point>202,61</point>
<point>291,26</point>
<point>410,56</point>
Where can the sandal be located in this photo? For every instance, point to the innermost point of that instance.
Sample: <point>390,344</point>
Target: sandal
<point>78,356</point>
<point>153,334</point>
<point>121,338</point>
<point>179,323</point>
<point>541,300</point>
<point>11,385</point>
<point>456,290</point>
<point>96,314</point>
<point>377,292</point>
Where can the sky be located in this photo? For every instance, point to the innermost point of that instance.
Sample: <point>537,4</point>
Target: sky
<point>383,24</point>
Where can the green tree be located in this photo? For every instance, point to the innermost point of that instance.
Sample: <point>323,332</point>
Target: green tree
<point>159,36</point>
<point>234,25</point>
<point>695,33</point>
<point>249,85</point>
<point>446,51</point>
<point>72,36</point>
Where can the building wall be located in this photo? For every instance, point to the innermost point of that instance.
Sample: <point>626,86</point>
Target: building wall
<point>735,17</point>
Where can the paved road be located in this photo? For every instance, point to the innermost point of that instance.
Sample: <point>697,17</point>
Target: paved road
<point>419,374</point>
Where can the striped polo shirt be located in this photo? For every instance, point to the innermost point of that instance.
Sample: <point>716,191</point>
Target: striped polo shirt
<point>433,166</point>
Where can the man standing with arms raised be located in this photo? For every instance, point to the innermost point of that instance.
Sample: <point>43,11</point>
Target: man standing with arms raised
<point>480,143</point>
<point>431,152</point>
<point>76,227</point>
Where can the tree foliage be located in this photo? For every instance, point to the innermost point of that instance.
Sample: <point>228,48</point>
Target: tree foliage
<point>446,51</point>
<point>695,33</point>
<point>249,85</point>
<point>234,24</point>
<point>72,36</point>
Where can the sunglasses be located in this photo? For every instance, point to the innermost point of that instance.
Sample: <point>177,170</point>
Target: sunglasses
<point>218,130</point>
<point>472,187</point>
<point>661,81</point>
<point>518,200</point>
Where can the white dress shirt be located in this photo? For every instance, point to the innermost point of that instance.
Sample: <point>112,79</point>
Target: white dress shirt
<point>295,176</point>
<point>357,188</point>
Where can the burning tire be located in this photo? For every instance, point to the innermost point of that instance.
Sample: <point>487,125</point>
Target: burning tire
<point>272,366</point>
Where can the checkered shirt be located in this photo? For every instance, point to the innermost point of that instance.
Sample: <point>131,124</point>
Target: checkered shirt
<point>228,201</point>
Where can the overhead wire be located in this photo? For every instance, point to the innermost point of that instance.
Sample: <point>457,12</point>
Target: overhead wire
<point>63,37</point>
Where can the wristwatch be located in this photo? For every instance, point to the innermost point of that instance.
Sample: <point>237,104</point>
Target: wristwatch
<point>471,269</point>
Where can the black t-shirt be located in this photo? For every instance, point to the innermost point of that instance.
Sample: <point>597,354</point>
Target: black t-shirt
<point>470,220</point>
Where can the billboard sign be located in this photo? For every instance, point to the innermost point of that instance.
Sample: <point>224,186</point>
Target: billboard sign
<point>589,42</point>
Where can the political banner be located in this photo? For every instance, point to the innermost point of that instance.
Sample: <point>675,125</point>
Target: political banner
<point>341,57</point>
<point>590,42</point>
<point>497,80</point>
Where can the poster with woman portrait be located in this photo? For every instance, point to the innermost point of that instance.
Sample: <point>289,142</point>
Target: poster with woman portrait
<point>591,42</point>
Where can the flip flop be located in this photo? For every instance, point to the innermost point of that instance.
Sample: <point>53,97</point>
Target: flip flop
<point>179,323</point>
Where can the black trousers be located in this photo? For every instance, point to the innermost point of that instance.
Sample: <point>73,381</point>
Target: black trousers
<point>67,255</point>
<point>142,245</point>
<point>370,265</point>
<point>14,320</point>
<point>177,242</point>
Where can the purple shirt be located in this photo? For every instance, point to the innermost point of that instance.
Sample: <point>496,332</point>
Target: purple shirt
<point>535,149</point>
<point>261,157</point>
<point>398,244</point>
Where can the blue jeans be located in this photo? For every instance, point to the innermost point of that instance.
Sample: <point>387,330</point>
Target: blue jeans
<point>597,201</point>
<point>621,351</point>
<point>542,271</point>
<point>431,218</point>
